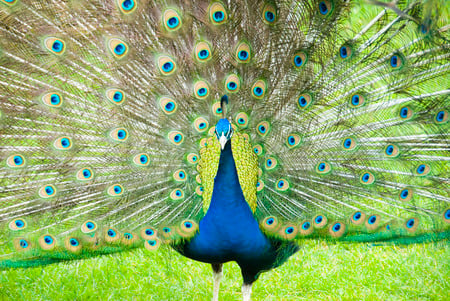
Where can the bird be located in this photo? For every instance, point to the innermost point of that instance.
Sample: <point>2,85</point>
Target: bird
<point>228,130</point>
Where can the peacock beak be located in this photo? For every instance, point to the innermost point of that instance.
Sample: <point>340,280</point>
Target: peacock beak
<point>223,140</point>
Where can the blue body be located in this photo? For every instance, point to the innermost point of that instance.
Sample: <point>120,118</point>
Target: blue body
<point>229,231</point>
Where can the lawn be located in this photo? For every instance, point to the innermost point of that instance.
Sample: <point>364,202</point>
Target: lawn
<point>319,271</point>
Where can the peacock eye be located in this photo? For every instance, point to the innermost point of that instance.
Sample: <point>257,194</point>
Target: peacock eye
<point>118,48</point>
<point>217,13</point>
<point>172,20</point>
<point>166,65</point>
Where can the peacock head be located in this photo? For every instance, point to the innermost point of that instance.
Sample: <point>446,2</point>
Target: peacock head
<point>223,131</point>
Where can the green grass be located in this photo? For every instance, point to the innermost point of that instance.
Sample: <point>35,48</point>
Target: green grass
<point>319,271</point>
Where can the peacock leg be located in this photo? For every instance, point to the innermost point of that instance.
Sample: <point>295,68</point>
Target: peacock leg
<point>246,291</point>
<point>217,274</point>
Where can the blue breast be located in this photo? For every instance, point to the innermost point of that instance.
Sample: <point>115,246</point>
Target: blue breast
<point>228,231</point>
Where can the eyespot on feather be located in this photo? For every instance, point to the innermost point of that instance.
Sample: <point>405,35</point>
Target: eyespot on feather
<point>166,65</point>
<point>357,100</point>
<point>446,215</point>
<point>216,109</point>
<point>115,96</point>
<point>323,168</point>
<point>63,143</point>
<point>73,244</point>
<point>411,224</point>
<point>172,20</point>
<point>199,190</point>
<point>176,137</point>
<point>115,190</point>
<point>288,232</point>
<point>168,105</point>
<point>188,228</point>
<point>152,244</point>
<point>349,143</point>
<point>126,6</point>
<point>201,124</point>
<point>270,224</point>
<point>263,128</point>
<point>17,224</point>
<point>269,14</point>
<point>21,244</point>
<point>192,158</point>
<point>345,52</point>
<point>232,83</point>
<point>177,194</point>
<point>203,52</point>
<point>129,238</point>
<point>391,151</point>
<point>9,2</point>
<point>259,89</point>
<point>320,221</point>
<point>305,228</point>
<point>336,229</point>
<point>258,150</point>
<point>293,140</point>
<point>406,194</point>
<point>111,235</point>
<point>16,161</point>
<point>397,61</point>
<point>441,117</point>
<point>201,90</point>
<point>372,222</point>
<point>406,113</point>
<point>422,170</point>
<point>243,53</point>
<point>89,227</point>
<point>47,191</point>
<point>242,120</point>
<point>141,159</point>
<point>271,163</point>
<point>357,218</point>
<point>118,48</point>
<point>282,185</point>
<point>85,174</point>
<point>148,233</point>
<point>180,175</point>
<point>53,100</point>
<point>304,101</point>
<point>299,59</point>
<point>119,134</point>
<point>325,7</point>
<point>217,13</point>
<point>55,45</point>
<point>367,178</point>
<point>47,242</point>
<point>259,186</point>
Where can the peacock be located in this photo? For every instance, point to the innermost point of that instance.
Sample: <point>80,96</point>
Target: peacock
<point>228,130</point>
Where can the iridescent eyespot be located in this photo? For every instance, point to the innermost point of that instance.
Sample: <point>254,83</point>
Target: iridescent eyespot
<point>293,140</point>
<point>406,194</point>
<point>216,109</point>
<point>258,149</point>
<point>115,190</point>
<point>201,90</point>
<point>10,2</point>
<point>282,185</point>
<point>63,143</point>
<point>172,20</point>
<point>55,45</point>
<point>180,175</point>
<point>349,143</point>
<point>270,223</point>
<point>47,191</point>
<point>111,233</point>
<point>232,83</point>
<point>259,185</point>
<point>217,13</point>
<point>16,161</point>
<point>325,7</point>
<point>126,6</point>
<point>17,224</point>
<point>242,120</point>
<point>372,222</point>
<point>53,100</point>
<point>72,244</point>
<point>89,227</point>
<point>119,134</point>
<point>177,194</point>
<point>259,89</point>
<point>192,158</point>
<point>396,61</point>
<point>446,215</point>
<point>391,150</point>
<point>188,228</point>
<point>203,52</point>
<point>152,244</point>
<point>271,163</point>
<point>269,14</point>
<point>358,218</point>
<point>345,52</point>
<point>166,65</point>
<point>357,100</point>
<point>336,229</point>
<point>299,59</point>
<point>148,233</point>
<point>85,174</point>
<point>306,228</point>
<point>263,128</point>
<point>201,124</point>
<point>367,178</point>
<point>323,168</point>
<point>422,170</point>
<point>411,225</point>
<point>115,96</point>
<point>406,113</point>
<point>176,137</point>
<point>21,244</point>
<point>441,117</point>
<point>141,159</point>
<point>118,48</point>
<point>304,100</point>
<point>47,242</point>
<point>168,105</point>
<point>320,221</point>
<point>243,53</point>
<point>288,232</point>
<point>199,190</point>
